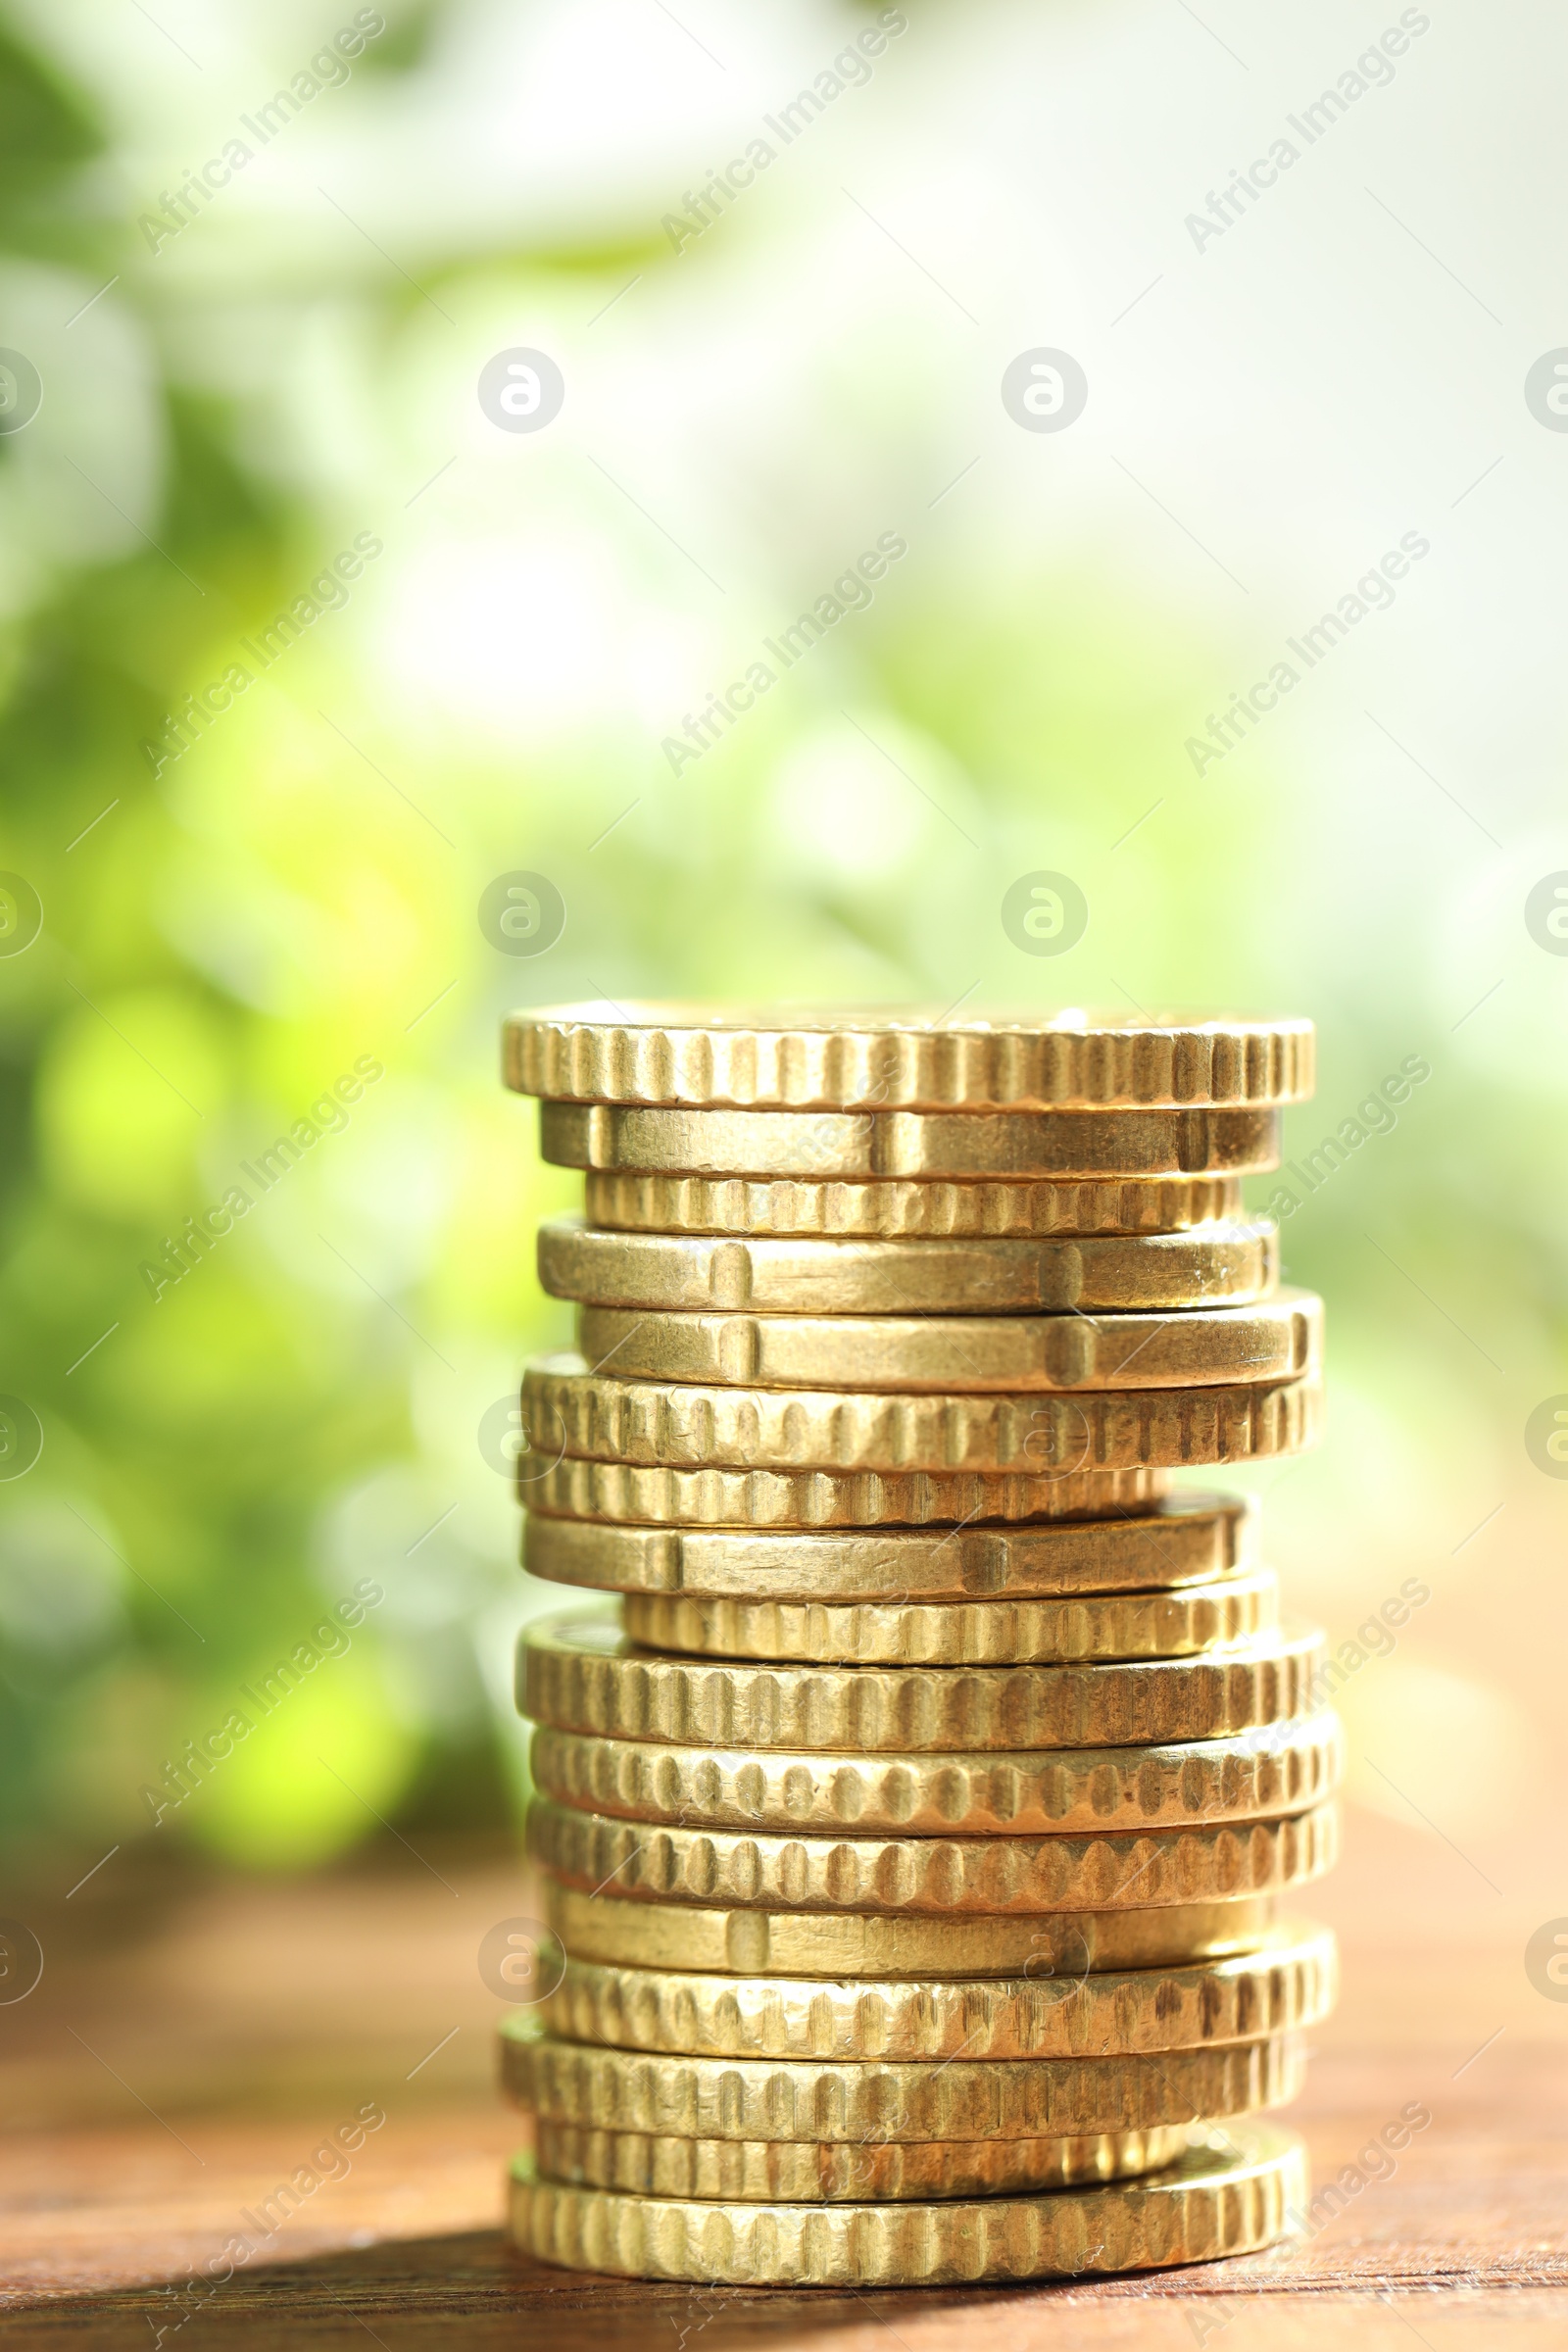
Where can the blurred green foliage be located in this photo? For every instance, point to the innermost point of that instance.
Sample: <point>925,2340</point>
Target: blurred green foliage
<point>228,933</point>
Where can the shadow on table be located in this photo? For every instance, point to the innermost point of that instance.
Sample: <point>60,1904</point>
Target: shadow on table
<point>471,2289</point>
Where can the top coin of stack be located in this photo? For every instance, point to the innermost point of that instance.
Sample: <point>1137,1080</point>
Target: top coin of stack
<point>926,1686</point>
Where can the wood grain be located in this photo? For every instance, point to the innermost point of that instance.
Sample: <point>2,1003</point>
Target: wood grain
<point>194,2040</point>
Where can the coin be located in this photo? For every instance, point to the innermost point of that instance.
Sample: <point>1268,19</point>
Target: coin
<point>821,1057</point>
<point>866,1212</point>
<point>763,2172</point>
<point>1189,1539</point>
<point>1286,1986</point>
<point>1231,2194</point>
<point>827,2100</point>
<point>1273,1340</point>
<point>606,1927</point>
<point>1233,1262</point>
<point>716,1497</point>
<point>1057,1872</point>
<point>966,1632</point>
<point>580,1674</point>
<point>1279,1768</point>
<point>955,1146</point>
<point>1053,1442</point>
<point>915,1834</point>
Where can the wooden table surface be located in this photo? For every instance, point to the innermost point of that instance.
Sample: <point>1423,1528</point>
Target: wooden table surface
<point>193,2039</point>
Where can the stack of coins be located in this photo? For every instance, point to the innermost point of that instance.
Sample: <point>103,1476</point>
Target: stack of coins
<point>915,1830</point>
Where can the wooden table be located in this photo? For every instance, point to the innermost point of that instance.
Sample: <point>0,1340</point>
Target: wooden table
<point>193,2040</point>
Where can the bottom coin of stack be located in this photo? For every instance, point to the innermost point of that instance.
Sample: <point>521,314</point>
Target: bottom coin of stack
<point>1230,2192</point>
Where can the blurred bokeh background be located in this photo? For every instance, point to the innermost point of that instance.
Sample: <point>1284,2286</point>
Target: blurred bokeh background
<point>206,928</point>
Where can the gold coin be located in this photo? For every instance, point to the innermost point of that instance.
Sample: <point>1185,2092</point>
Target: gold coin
<point>1052,1442</point>
<point>580,1674</point>
<point>947,1146</point>
<point>1281,1767</point>
<point>892,2101</point>
<point>686,1273</point>
<point>1273,1340</point>
<point>993,1874</point>
<point>789,1205</point>
<point>1189,1539</point>
<point>610,1928</point>
<point>822,1056</point>
<point>760,2171</point>
<point>1233,2194</point>
<point>1284,1988</point>
<point>965,1633</point>
<point>716,1497</point>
